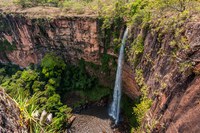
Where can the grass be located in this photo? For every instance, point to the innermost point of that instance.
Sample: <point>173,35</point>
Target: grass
<point>92,95</point>
<point>6,2</point>
<point>27,107</point>
<point>64,8</point>
<point>97,94</point>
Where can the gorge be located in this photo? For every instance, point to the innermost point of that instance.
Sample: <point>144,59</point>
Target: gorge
<point>160,74</point>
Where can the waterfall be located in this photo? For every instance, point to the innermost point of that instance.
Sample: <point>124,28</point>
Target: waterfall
<point>115,106</point>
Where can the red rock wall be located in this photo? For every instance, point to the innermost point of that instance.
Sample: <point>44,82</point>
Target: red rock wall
<point>71,37</point>
<point>75,37</point>
<point>173,81</point>
<point>175,92</point>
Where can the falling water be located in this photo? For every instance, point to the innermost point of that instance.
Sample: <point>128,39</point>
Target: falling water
<point>115,106</point>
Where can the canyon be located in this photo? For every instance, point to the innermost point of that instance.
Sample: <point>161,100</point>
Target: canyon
<point>173,80</point>
<point>72,37</point>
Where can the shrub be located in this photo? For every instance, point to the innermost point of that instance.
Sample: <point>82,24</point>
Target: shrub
<point>25,85</point>
<point>136,50</point>
<point>6,46</point>
<point>141,109</point>
<point>52,65</point>
<point>56,2</point>
<point>144,104</point>
<point>45,83</point>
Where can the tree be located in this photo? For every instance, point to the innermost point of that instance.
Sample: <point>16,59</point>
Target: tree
<point>52,65</point>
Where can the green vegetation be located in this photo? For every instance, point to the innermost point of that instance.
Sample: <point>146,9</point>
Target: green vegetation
<point>72,6</point>
<point>42,88</point>
<point>137,48</point>
<point>142,107</point>
<point>105,59</point>
<point>162,18</point>
<point>6,71</point>
<point>55,77</point>
<point>97,94</point>
<point>135,11</point>
<point>127,108</point>
<point>33,91</point>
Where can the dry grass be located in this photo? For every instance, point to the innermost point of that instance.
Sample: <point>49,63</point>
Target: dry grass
<point>43,12</point>
<point>67,8</point>
<point>4,3</point>
<point>46,11</point>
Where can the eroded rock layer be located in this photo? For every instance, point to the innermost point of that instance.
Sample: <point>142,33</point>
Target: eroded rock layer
<point>72,37</point>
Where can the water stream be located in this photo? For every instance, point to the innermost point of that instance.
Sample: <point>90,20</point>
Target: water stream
<point>95,119</point>
<point>115,106</point>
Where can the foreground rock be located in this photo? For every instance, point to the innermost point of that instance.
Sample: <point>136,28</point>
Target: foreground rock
<point>10,117</point>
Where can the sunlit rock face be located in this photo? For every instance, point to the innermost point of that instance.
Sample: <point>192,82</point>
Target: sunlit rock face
<point>128,82</point>
<point>173,83</point>
<point>173,86</point>
<point>72,37</point>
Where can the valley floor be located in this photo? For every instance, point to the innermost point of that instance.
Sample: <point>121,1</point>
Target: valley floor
<point>94,120</point>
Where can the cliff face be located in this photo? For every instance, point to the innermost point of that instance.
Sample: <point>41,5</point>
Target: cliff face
<point>26,40</point>
<point>74,38</point>
<point>10,120</point>
<point>172,77</point>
